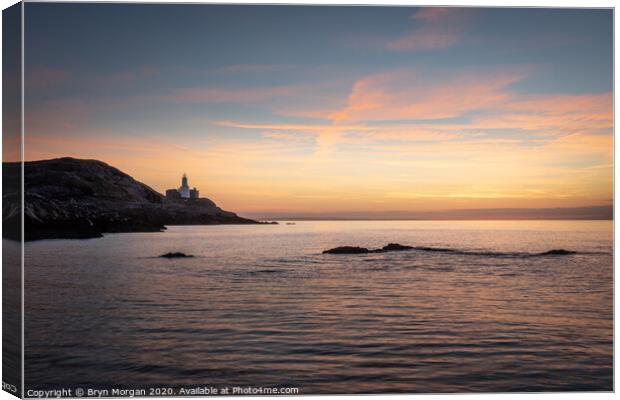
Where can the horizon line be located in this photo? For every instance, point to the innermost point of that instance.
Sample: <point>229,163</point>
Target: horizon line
<point>435,219</point>
<point>602,212</point>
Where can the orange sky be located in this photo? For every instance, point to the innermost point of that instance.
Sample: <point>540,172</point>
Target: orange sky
<point>390,126</point>
<point>560,156</point>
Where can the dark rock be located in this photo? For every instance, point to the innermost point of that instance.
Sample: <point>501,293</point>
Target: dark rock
<point>74,198</point>
<point>558,252</point>
<point>269,223</point>
<point>396,247</point>
<point>347,250</point>
<point>176,255</point>
<point>363,250</point>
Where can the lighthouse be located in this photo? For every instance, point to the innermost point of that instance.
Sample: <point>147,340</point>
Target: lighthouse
<point>184,192</point>
<point>184,189</point>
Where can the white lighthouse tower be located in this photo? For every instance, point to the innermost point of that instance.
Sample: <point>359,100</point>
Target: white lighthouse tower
<point>184,189</point>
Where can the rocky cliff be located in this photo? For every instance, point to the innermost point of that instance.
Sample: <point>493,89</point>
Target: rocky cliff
<point>74,198</point>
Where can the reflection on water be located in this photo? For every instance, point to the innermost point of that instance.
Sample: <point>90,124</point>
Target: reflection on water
<point>260,305</point>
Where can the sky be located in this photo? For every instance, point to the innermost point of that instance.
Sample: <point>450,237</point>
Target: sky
<point>300,109</point>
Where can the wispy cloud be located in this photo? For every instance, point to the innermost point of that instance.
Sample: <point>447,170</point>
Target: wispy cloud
<point>228,95</point>
<point>434,28</point>
<point>326,136</point>
<point>409,94</point>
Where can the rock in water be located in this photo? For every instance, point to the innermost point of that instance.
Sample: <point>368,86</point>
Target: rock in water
<point>558,252</point>
<point>400,247</point>
<point>347,250</point>
<point>364,250</point>
<point>74,198</point>
<point>176,255</point>
<point>396,247</point>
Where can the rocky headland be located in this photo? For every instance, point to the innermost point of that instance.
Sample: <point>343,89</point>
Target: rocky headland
<point>76,198</point>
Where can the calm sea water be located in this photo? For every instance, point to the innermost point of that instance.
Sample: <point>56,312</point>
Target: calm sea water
<point>261,306</point>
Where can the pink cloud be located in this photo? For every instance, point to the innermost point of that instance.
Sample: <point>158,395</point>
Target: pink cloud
<point>421,40</point>
<point>562,113</point>
<point>435,14</point>
<point>436,28</point>
<point>485,98</point>
<point>407,94</point>
<point>327,135</point>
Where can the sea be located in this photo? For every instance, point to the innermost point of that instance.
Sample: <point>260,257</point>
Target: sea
<point>476,306</point>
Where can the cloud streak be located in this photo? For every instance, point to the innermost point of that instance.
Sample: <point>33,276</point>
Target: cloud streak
<point>434,28</point>
<point>409,94</point>
<point>229,95</point>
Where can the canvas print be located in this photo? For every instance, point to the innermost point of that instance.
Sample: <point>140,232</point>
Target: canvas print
<point>205,199</point>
